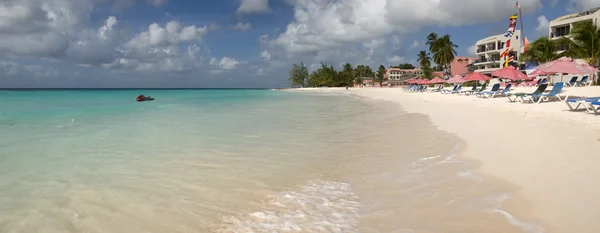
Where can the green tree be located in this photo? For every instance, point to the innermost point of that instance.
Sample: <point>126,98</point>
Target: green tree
<point>583,44</point>
<point>380,76</point>
<point>358,80</point>
<point>443,52</point>
<point>406,66</point>
<point>298,75</point>
<point>432,42</point>
<point>424,59</point>
<point>427,72</point>
<point>541,50</point>
<point>425,63</point>
<point>348,74</point>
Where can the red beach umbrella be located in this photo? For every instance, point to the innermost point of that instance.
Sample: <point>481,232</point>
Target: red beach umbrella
<point>456,79</point>
<point>476,76</point>
<point>436,80</point>
<point>510,73</point>
<point>421,81</point>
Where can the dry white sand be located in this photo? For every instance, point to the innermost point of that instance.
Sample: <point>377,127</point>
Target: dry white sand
<point>549,152</point>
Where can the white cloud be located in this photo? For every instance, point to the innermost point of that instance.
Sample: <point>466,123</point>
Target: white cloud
<point>472,50</point>
<point>581,5</point>
<point>263,39</point>
<point>396,60</point>
<point>41,28</point>
<point>415,44</point>
<point>320,25</point>
<point>224,64</point>
<point>171,34</point>
<point>543,25</point>
<point>156,3</point>
<point>242,26</point>
<point>254,6</point>
<point>266,55</point>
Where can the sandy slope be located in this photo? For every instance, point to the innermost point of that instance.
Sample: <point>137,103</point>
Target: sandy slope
<point>551,153</point>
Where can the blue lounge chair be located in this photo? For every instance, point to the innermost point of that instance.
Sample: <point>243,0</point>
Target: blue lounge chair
<point>584,81</point>
<point>573,81</point>
<point>473,89</point>
<point>574,104</point>
<point>459,89</point>
<point>482,89</point>
<point>515,96</point>
<point>436,89</point>
<point>495,88</point>
<point>596,107</point>
<point>492,94</point>
<point>556,91</point>
<point>456,87</point>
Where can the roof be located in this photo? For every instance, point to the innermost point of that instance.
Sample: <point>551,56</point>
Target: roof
<point>495,38</point>
<point>584,13</point>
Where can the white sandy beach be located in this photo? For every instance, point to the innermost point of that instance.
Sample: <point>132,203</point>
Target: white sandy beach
<point>550,153</point>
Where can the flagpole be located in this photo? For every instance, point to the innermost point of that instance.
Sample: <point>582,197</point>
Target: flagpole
<point>522,30</point>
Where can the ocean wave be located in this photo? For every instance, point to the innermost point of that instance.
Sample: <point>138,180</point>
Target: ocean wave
<point>319,206</point>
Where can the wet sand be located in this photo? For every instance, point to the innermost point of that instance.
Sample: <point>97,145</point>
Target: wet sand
<point>549,154</point>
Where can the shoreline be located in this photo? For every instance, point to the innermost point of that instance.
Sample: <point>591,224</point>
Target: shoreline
<point>548,153</point>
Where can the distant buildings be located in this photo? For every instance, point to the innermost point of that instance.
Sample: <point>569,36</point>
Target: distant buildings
<point>460,65</point>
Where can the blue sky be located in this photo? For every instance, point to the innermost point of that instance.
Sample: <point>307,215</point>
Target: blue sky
<point>235,43</point>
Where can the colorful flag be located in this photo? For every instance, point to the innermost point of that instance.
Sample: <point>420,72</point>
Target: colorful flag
<point>517,5</point>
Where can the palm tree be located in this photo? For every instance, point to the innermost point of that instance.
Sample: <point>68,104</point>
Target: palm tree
<point>583,44</point>
<point>348,74</point>
<point>358,80</point>
<point>432,42</point>
<point>444,52</point>
<point>424,59</point>
<point>380,76</point>
<point>541,51</point>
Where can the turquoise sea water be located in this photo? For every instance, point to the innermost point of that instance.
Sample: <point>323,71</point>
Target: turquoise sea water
<point>231,161</point>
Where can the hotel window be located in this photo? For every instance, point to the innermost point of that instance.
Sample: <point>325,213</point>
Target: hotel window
<point>562,31</point>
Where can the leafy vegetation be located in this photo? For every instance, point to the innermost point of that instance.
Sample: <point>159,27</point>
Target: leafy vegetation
<point>327,76</point>
<point>380,75</point>
<point>584,43</point>
<point>443,51</point>
<point>405,66</point>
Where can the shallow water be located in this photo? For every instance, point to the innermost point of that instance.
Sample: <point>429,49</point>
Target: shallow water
<point>235,161</point>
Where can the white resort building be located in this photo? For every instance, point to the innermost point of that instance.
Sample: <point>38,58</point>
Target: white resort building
<point>562,26</point>
<point>489,50</point>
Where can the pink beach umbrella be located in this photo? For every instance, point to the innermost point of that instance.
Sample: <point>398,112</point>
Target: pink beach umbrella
<point>563,65</point>
<point>410,81</point>
<point>476,76</point>
<point>510,73</point>
<point>436,80</point>
<point>456,79</point>
<point>589,67</point>
<point>421,81</point>
<point>540,72</point>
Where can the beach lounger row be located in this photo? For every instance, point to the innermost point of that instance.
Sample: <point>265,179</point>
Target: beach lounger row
<point>583,82</point>
<point>538,95</point>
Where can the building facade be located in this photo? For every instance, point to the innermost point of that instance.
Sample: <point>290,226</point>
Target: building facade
<point>489,50</point>
<point>561,26</point>
<point>397,76</point>
<point>460,65</point>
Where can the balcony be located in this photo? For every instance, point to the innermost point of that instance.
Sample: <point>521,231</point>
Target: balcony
<point>482,50</point>
<point>484,60</point>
